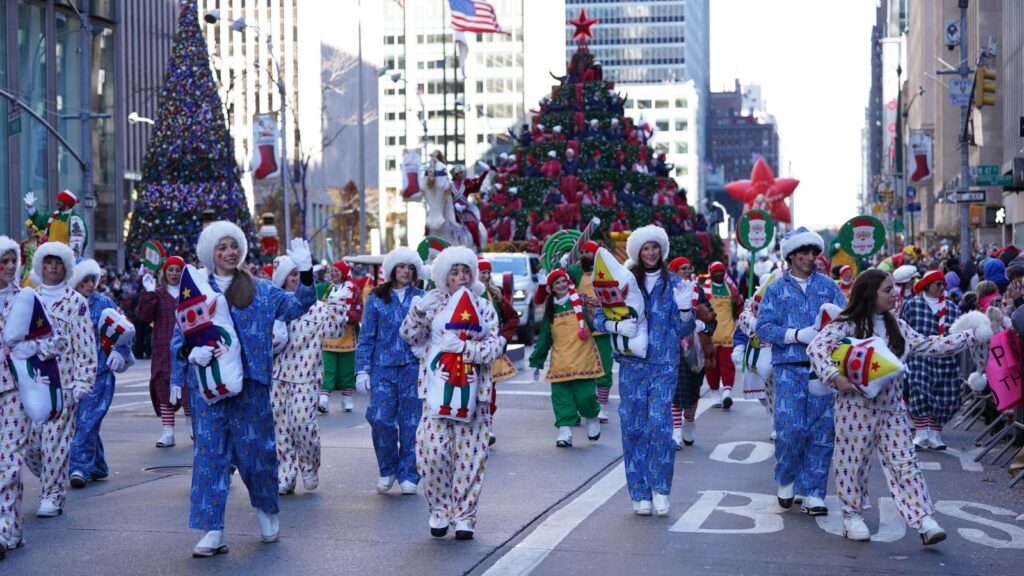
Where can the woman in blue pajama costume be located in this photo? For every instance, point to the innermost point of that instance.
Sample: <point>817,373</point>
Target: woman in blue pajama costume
<point>387,369</point>
<point>239,431</point>
<point>646,384</point>
<point>804,433</point>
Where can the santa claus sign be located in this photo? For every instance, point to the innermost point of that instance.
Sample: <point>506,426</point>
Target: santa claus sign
<point>862,236</point>
<point>755,230</point>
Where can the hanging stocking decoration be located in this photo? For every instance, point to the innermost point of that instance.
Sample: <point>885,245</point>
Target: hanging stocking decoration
<point>264,162</point>
<point>921,152</point>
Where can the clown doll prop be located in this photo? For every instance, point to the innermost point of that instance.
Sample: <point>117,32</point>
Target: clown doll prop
<point>448,370</point>
<point>27,329</point>
<point>867,363</point>
<point>620,299</point>
<point>116,330</point>
<point>205,320</point>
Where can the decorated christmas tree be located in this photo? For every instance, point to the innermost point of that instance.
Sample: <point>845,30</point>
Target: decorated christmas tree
<point>190,165</point>
<point>582,146</point>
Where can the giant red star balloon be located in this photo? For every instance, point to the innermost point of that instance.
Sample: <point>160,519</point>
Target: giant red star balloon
<point>764,191</point>
<point>583,24</point>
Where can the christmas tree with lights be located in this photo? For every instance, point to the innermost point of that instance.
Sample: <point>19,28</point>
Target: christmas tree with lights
<point>190,164</point>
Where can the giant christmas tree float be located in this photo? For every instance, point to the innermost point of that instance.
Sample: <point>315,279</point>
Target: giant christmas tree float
<point>585,114</point>
<point>190,165</point>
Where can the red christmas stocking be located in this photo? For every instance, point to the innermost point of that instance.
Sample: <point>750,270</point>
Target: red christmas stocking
<point>921,170</point>
<point>268,161</point>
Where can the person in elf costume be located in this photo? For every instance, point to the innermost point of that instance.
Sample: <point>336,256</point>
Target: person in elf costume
<point>934,382</point>
<point>49,444</point>
<point>386,369</point>
<point>87,459</point>
<point>451,453</point>
<point>340,350</point>
<point>646,384</point>
<point>575,360</point>
<point>727,303</point>
<point>865,425</point>
<point>786,319</point>
<point>298,370</point>
<point>581,275</point>
<point>845,280</point>
<point>158,304</point>
<point>687,394</point>
<point>62,224</point>
<point>503,369</point>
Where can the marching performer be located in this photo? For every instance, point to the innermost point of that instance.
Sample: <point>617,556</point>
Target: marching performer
<point>845,280</point>
<point>61,225</point>
<point>727,304</point>
<point>340,351</point>
<point>582,276</point>
<point>687,394</point>
<point>509,324</point>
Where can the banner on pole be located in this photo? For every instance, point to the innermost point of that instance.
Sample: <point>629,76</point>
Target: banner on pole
<point>265,147</point>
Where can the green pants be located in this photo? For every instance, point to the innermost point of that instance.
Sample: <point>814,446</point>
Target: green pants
<point>573,399</point>
<point>604,349</point>
<point>339,371</point>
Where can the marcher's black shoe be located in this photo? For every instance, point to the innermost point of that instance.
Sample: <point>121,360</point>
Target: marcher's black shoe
<point>785,496</point>
<point>814,507</point>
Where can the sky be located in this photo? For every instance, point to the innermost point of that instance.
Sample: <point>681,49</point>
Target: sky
<point>812,59</point>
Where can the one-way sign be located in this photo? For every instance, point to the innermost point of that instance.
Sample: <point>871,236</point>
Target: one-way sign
<point>965,197</point>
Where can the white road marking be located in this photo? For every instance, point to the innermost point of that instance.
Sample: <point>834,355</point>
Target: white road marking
<point>760,452</point>
<point>891,526</point>
<point>128,405</point>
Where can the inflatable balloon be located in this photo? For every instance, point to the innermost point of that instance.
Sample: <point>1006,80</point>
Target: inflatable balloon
<point>764,192</point>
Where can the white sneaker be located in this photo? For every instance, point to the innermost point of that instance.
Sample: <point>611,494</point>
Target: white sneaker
<point>785,495</point>
<point>922,439</point>
<point>716,398</point>
<point>408,487</point>
<point>602,416</point>
<point>324,404</point>
<point>593,429</point>
<point>677,437</point>
<point>931,532</point>
<point>689,428</point>
<point>346,403</point>
<point>384,484</point>
<point>772,436</point>
<point>813,506</point>
<point>935,440</point>
<point>167,439</point>
<point>48,509</point>
<point>855,529</point>
<point>310,481</point>
<point>213,543</point>
<point>564,437</point>
<point>642,507</point>
<point>438,525</point>
<point>661,504</point>
<point>270,526</point>
<point>726,398</point>
<point>464,529</point>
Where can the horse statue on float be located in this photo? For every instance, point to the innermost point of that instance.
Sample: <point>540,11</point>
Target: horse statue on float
<point>451,213</point>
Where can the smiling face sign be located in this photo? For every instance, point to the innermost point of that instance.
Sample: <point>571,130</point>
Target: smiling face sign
<point>862,236</point>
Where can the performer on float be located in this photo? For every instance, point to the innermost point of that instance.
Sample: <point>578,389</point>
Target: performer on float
<point>62,224</point>
<point>845,280</point>
<point>646,384</point>
<point>386,368</point>
<point>934,382</point>
<point>466,211</point>
<point>243,423</point>
<point>509,324</point>
<point>689,381</point>
<point>575,360</point>
<point>340,350</point>
<point>582,276</point>
<point>88,462</point>
<point>158,303</point>
<point>452,447</point>
<point>786,319</point>
<point>727,303</point>
<point>49,444</point>
<point>298,372</point>
<point>865,425</point>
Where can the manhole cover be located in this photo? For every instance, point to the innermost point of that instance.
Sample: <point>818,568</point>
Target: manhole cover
<point>180,470</point>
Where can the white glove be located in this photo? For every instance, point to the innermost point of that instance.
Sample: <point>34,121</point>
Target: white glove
<point>627,328</point>
<point>471,378</point>
<point>737,354</point>
<point>441,373</point>
<point>30,201</point>
<point>363,383</point>
<point>683,295</point>
<point>175,396</point>
<point>78,392</point>
<point>148,282</point>
<point>299,253</point>
<point>41,379</point>
<point>502,342</point>
<point>450,342</point>
<point>483,165</point>
<point>428,302</point>
<point>24,350</point>
<point>115,361</point>
<point>700,326</point>
<point>201,356</point>
<point>805,335</point>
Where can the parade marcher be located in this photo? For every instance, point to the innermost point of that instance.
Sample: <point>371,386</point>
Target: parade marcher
<point>687,393</point>
<point>88,462</point>
<point>298,373</point>
<point>49,444</point>
<point>62,224</point>
<point>387,369</point>
<point>934,382</point>
<point>646,384</point>
<point>451,453</point>
<point>238,431</point>
<point>340,352</point>
<point>158,305</point>
<point>786,319</point>
<point>575,360</point>
<point>846,280</point>
<point>903,277</point>
<point>582,276</point>
<point>727,303</point>
<point>865,425</point>
<point>758,386</point>
<point>508,320</point>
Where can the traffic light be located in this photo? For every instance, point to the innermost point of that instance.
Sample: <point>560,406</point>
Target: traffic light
<point>985,87</point>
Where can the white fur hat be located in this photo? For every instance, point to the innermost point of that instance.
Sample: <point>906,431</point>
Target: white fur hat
<point>799,238</point>
<point>59,249</point>
<point>643,235</point>
<point>213,234</point>
<point>285,266</point>
<point>83,270</point>
<point>904,274</point>
<point>450,257</point>
<point>8,245</point>
<point>403,255</point>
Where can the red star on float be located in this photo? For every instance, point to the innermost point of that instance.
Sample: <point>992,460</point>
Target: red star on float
<point>583,24</point>
<point>764,191</point>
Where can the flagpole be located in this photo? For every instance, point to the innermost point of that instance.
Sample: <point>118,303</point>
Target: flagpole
<point>444,80</point>
<point>455,77</point>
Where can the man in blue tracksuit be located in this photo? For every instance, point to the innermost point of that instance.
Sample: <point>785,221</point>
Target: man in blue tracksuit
<point>804,431</point>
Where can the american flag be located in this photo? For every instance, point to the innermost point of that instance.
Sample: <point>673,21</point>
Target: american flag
<point>474,16</point>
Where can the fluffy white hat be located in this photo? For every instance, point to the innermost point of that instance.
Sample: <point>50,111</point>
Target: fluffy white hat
<point>213,234</point>
<point>904,274</point>
<point>643,235</point>
<point>285,266</point>
<point>450,257</point>
<point>799,238</point>
<point>8,245</point>
<point>83,270</point>
<point>59,249</point>
<point>403,255</point>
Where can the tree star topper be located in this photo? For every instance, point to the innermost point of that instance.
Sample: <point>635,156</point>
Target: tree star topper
<point>583,24</point>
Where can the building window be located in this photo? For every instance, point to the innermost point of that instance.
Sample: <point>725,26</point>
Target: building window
<point>643,104</point>
<point>661,104</point>
<point>661,125</point>
<point>390,163</point>
<point>682,148</point>
<point>682,103</point>
<point>682,125</point>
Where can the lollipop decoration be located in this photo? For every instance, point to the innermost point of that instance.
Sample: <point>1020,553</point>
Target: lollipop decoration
<point>556,246</point>
<point>153,254</point>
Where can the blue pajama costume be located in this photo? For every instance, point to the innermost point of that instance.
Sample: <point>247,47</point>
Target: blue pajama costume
<point>646,386</point>
<point>238,432</point>
<point>395,409</point>
<point>804,431</point>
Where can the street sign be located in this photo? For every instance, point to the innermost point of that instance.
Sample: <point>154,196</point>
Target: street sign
<point>913,207</point>
<point>985,170</point>
<point>966,197</point>
<point>911,192</point>
<point>998,180</point>
<point>960,91</point>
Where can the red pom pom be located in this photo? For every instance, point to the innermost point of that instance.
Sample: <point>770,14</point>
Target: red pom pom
<point>583,334</point>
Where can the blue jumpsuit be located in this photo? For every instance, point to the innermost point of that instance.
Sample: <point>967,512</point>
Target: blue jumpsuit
<point>804,431</point>
<point>395,409</point>
<point>238,432</point>
<point>87,449</point>
<point>646,386</point>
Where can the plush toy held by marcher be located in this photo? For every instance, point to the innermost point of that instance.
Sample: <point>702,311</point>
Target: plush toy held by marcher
<point>620,299</point>
<point>37,376</point>
<point>459,319</point>
<point>205,320</point>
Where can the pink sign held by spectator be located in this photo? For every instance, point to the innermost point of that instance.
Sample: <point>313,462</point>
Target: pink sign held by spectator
<point>1004,369</point>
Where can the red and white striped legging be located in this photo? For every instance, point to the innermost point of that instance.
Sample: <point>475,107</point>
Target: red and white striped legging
<point>167,413</point>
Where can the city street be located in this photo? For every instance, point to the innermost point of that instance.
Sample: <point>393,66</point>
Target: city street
<point>555,511</point>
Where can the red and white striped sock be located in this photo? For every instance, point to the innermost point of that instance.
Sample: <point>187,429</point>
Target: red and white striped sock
<point>690,414</point>
<point>348,392</point>
<point>922,422</point>
<point>166,414</point>
<point>936,426</point>
<point>602,396</point>
<point>677,417</point>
